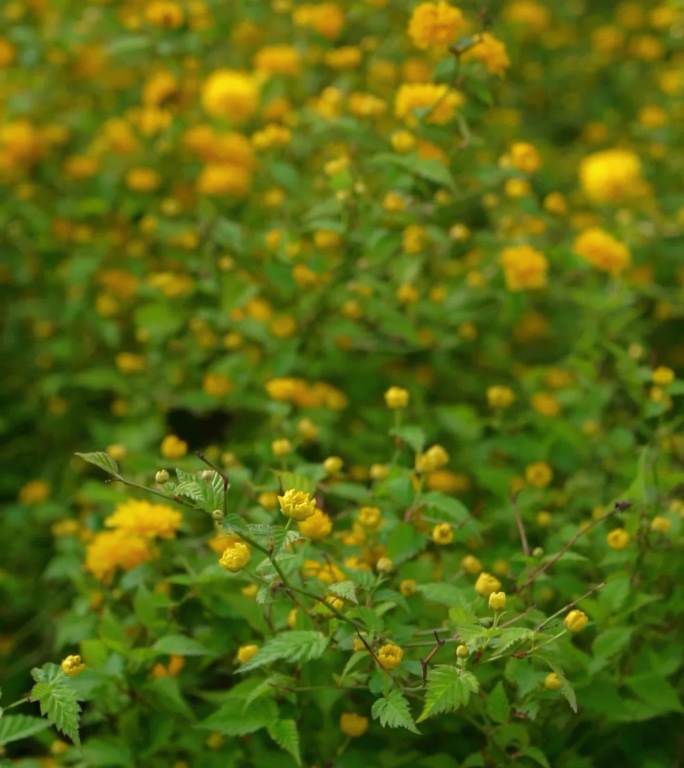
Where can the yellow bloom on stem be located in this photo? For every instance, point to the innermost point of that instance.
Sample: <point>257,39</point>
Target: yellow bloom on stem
<point>34,492</point>
<point>246,652</point>
<point>390,656</point>
<point>429,102</point>
<point>230,94</point>
<point>110,550</point>
<point>611,176</point>
<point>602,250</point>
<point>525,157</point>
<point>433,459</point>
<point>497,601</point>
<point>173,447</point>
<point>443,533</point>
<point>353,725</point>
<point>408,587</point>
<point>396,398</point>
<point>316,526</point>
<point>538,474</point>
<point>553,681</point>
<point>297,504</point>
<point>236,556</point>
<point>145,519</point>
<point>490,52</point>
<point>661,524</point>
<point>369,517</point>
<point>576,621</point>
<point>486,584</point>
<point>618,538</point>
<point>524,267</point>
<point>471,564</point>
<point>435,25</point>
<point>500,396</point>
<point>662,376</point>
<point>72,665</point>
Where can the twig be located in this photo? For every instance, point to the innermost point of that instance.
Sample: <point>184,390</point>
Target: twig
<point>567,607</point>
<point>619,506</point>
<point>520,525</point>
<point>439,642</point>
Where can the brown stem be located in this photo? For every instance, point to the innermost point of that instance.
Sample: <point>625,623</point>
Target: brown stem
<point>424,663</point>
<point>520,525</point>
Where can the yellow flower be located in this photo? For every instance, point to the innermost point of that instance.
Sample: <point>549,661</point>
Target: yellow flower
<point>236,556</point>
<point>618,538</point>
<point>246,652</point>
<point>384,565</point>
<point>316,526</point>
<point>224,179</point>
<point>435,25</point>
<point>142,179</point>
<point>662,376</point>
<point>661,524</point>
<point>462,651</point>
<point>369,517</point>
<point>72,665</point>
<point>110,550</point>
<point>163,13</point>
<point>396,398</point>
<point>407,587</point>
<point>525,157</point>
<point>297,504</point>
<point>326,18</point>
<point>611,175</point>
<point>435,103</point>
<point>500,396</point>
<point>145,519</point>
<point>433,459</point>
<point>471,564</point>
<point>332,465</point>
<point>217,384</point>
<point>230,94</point>
<point>353,725</point>
<point>486,584</point>
<point>278,60</point>
<point>544,519</point>
<point>602,250</point>
<point>538,474</point>
<point>490,52</point>
<point>576,621</point>
<point>524,267</point>
<point>497,601</point>
<point>390,656</point>
<point>443,533</point>
<point>281,447</point>
<point>552,681</point>
<point>173,447</point>
<point>34,492</point>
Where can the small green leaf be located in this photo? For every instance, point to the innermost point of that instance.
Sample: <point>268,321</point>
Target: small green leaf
<point>448,688</point>
<point>57,699</point>
<point>286,736</point>
<point>293,646</point>
<point>393,711</point>
<point>345,590</point>
<point>102,460</point>
<point>15,727</point>
<point>180,645</point>
<point>498,708</point>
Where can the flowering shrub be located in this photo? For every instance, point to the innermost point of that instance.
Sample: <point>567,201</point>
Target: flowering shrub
<point>363,321</point>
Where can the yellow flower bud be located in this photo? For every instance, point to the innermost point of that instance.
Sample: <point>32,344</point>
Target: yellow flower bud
<point>552,681</point>
<point>390,656</point>
<point>618,538</point>
<point>246,652</point>
<point>236,556</point>
<point>576,621</point>
<point>384,565</point>
<point>486,584</point>
<point>462,651</point>
<point>497,601</point>
<point>297,504</point>
<point>661,524</point>
<point>353,725</point>
<point>396,398</point>
<point>407,587</point>
<point>443,533</point>
<point>332,465</point>
<point>72,665</point>
<point>471,564</point>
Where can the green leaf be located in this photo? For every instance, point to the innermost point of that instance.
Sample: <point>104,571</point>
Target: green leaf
<point>345,590</point>
<point>180,645</point>
<point>534,753</point>
<point>452,510</point>
<point>393,711</point>
<point>411,435</point>
<point>102,460</point>
<point>444,594</point>
<point>233,718</point>
<point>448,688</point>
<point>164,693</point>
<point>286,736</point>
<point>293,646</point>
<point>404,542</point>
<point>15,727</point>
<point>498,708</point>
<point>57,699</point>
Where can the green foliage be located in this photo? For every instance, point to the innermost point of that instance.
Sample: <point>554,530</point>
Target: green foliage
<point>57,698</point>
<point>393,711</point>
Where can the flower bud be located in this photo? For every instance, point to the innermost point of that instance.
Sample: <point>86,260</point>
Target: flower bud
<point>497,601</point>
<point>161,477</point>
<point>462,651</point>
<point>552,681</point>
<point>576,621</point>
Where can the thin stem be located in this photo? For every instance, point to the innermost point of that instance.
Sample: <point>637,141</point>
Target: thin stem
<point>567,607</point>
<point>521,526</point>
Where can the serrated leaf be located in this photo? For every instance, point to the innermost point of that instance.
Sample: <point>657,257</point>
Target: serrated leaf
<point>286,736</point>
<point>448,688</point>
<point>292,646</point>
<point>498,708</point>
<point>102,460</point>
<point>510,636</point>
<point>393,711</point>
<point>411,435</point>
<point>57,699</point>
<point>345,590</point>
<point>15,727</point>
